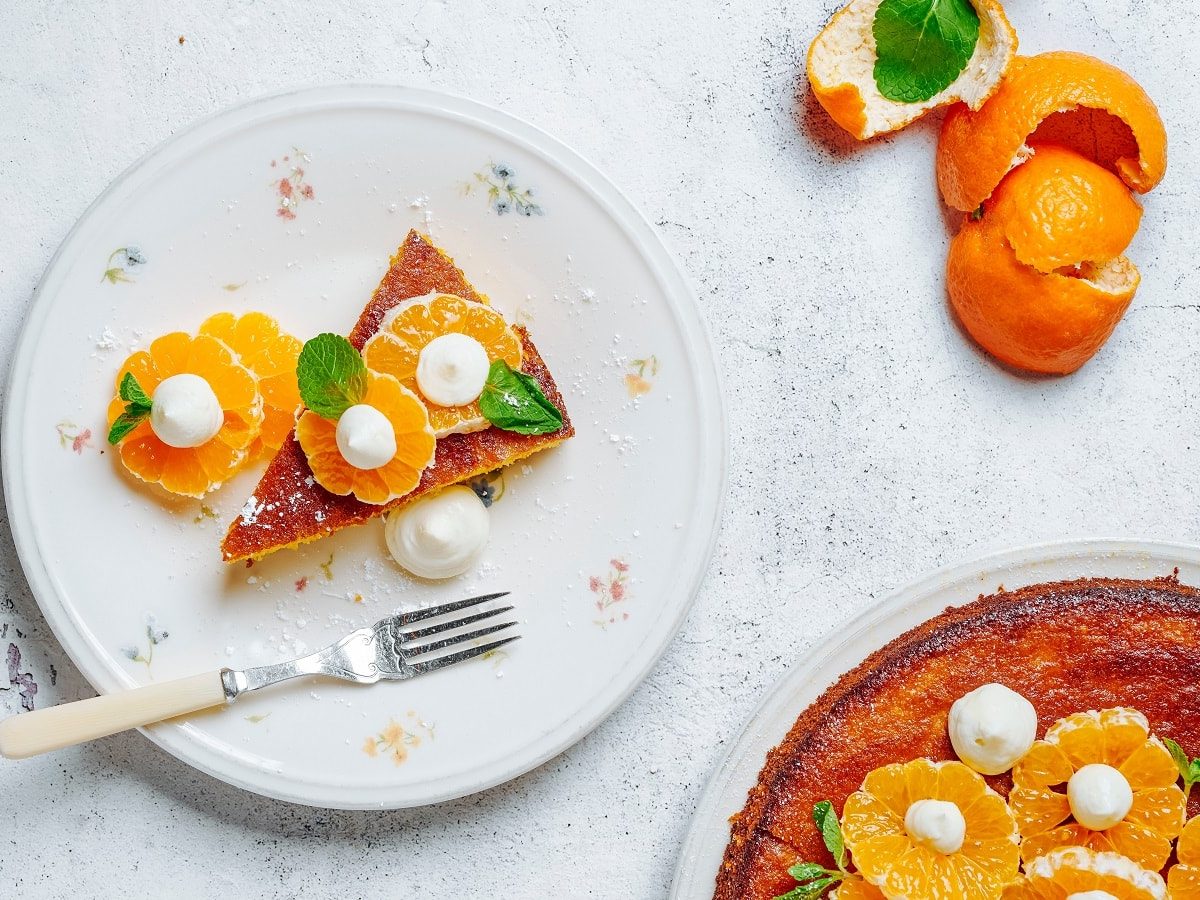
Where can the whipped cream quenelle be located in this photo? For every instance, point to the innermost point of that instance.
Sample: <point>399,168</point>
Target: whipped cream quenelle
<point>936,824</point>
<point>1100,796</point>
<point>365,437</point>
<point>439,536</point>
<point>452,370</point>
<point>184,411</point>
<point>991,728</point>
<point>1091,895</point>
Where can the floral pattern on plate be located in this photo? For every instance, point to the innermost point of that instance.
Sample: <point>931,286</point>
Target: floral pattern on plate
<point>120,261</point>
<point>154,637</point>
<point>610,590</point>
<point>71,435</point>
<point>639,380</point>
<point>394,741</point>
<point>293,188</point>
<point>502,192</point>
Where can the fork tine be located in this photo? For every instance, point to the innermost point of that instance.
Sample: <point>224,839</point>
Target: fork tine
<point>461,656</point>
<point>446,626</point>
<point>418,614</point>
<point>419,650</point>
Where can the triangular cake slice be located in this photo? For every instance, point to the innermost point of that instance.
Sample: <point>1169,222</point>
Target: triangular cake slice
<point>289,508</point>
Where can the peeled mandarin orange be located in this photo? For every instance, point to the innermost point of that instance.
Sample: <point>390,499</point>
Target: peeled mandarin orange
<point>1103,110</point>
<point>415,446</point>
<point>841,64</point>
<point>1076,870</point>
<point>191,471</point>
<point>1059,208</point>
<point>1115,737</point>
<point>270,354</point>
<point>1183,879</point>
<point>873,825</point>
<point>1036,277</point>
<point>396,349</point>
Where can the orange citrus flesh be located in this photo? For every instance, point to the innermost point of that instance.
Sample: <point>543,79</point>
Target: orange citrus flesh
<point>1036,278</point>
<point>396,349</point>
<point>1059,209</point>
<point>1183,880</point>
<point>191,471</point>
<point>977,148</point>
<point>1116,737</point>
<point>415,443</point>
<point>885,855</point>
<point>856,889</point>
<point>1077,870</point>
<point>271,354</point>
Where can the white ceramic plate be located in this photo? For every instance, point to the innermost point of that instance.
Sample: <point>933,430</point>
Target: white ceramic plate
<point>704,846</point>
<point>293,204</point>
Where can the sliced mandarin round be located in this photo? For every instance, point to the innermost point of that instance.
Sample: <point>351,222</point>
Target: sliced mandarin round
<point>396,349</point>
<point>1183,879</point>
<point>191,471</point>
<point>977,147</point>
<point>1067,871</point>
<point>270,354</point>
<point>901,865</point>
<point>415,446</point>
<point>1119,738</point>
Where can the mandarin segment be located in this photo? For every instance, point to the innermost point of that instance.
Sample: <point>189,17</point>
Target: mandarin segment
<point>191,471</point>
<point>271,354</point>
<point>977,148</point>
<point>415,446</point>
<point>406,331</point>
<point>1117,737</point>
<point>1183,879</point>
<point>874,829</point>
<point>1076,870</point>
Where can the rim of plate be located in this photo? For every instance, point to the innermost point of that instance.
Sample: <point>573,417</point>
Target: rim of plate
<point>185,742</point>
<point>699,858</point>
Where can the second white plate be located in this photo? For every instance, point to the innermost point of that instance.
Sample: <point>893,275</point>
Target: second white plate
<point>704,846</point>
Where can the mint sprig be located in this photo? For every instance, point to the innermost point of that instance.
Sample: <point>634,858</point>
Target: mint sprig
<point>137,408</point>
<point>512,400</point>
<point>813,879</point>
<point>331,374</point>
<point>1189,769</point>
<point>921,46</point>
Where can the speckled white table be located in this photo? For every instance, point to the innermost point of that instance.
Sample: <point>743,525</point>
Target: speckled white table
<point>870,441</point>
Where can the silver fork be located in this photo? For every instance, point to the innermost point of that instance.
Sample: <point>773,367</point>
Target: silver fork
<point>392,649</point>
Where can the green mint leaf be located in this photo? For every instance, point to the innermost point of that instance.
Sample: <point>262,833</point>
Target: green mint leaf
<point>131,392</point>
<point>921,46</point>
<point>125,423</point>
<point>809,891</point>
<point>1181,760</point>
<point>511,400</point>
<point>807,871</point>
<point>1193,772</point>
<point>332,375</point>
<point>831,832</point>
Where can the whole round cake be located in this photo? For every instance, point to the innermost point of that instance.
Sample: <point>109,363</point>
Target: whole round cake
<point>1067,647</point>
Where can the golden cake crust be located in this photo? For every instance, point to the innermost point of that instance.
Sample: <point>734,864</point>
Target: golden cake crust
<point>289,508</point>
<point>1067,646</point>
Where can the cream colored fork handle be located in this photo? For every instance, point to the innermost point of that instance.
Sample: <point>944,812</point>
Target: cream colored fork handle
<point>43,730</point>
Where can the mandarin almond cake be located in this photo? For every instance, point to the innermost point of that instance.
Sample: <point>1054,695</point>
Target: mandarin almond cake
<point>293,503</point>
<point>1028,744</point>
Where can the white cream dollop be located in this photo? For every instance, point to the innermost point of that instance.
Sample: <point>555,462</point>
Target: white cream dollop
<point>1100,796</point>
<point>184,411</point>
<point>366,437</point>
<point>1091,895</point>
<point>937,824</point>
<point>452,370</point>
<point>440,536</point>
<point>991,728</point>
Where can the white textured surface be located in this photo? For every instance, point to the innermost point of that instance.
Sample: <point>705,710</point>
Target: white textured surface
<point>870,441</point>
